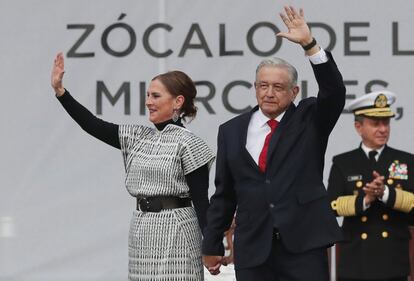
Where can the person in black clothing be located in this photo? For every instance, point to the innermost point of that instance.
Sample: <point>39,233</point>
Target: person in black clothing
<point>372,188</point>
<point>167,170</point>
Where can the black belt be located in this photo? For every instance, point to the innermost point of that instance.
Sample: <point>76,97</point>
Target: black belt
<point>158,203</point>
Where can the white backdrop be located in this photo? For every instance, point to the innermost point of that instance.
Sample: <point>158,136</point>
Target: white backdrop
<point>64,211</point>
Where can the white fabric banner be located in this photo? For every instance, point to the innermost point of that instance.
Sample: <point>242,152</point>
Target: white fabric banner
<point>64,210</point>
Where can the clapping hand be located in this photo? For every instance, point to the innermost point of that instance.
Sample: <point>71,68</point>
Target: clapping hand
<point>374,189</point>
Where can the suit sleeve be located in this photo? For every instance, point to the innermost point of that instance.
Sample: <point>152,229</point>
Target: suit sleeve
<point>331,95</point>
<point>342,203</point>
<point>401,200</point>
<point>222,204</point>
<point>401,197</point>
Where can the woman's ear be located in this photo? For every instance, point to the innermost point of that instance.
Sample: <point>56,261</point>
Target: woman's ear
<point>179,101</point>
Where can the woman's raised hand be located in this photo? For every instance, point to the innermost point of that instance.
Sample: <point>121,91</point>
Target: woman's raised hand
<point>57,75</point>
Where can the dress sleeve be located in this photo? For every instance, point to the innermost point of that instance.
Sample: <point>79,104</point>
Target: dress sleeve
<point>195,154</point>
<point>128,135</point>
<point>100,129</point>
<point>198,182</point>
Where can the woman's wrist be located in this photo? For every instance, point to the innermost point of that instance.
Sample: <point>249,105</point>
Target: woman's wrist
<point>59,92</point>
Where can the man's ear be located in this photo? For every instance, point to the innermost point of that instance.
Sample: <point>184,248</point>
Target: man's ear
<point>358,126</point>
<point>295,91</point>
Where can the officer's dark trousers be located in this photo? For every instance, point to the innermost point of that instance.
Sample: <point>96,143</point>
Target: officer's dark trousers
<point>282,265</point>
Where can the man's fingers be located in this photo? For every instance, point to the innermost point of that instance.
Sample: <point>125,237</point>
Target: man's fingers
<point>377,175</point>
<point>288,13</point>
<point>282,34</point>
<point>214,270</point>
<point>373,191</point>
<point>301,13</point>
<point>285,19</point>
<point>224,261</point>
<point>293,11</point>
<point>370,186</point>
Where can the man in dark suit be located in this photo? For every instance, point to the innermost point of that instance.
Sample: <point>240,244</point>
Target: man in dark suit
<point>273,176</point>
<point>376,205</point>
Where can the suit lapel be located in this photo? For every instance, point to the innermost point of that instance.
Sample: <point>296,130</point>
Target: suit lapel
<point>288,132</point>
<point>384,160</point>
<point>364,164</point>
<point>381,165</point>
<point>279,130</point>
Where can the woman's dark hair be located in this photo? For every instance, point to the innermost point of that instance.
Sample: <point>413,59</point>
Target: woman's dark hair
<point>179,83</point>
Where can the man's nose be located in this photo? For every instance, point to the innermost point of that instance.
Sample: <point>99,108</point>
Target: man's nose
<point>270,92</point>
<point>383,128</point>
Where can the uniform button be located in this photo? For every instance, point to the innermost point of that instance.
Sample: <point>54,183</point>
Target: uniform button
<point>267,181</point>
<point>390,181</point>
<point>384,234</point>
<point>359,184</point>
<point>271,205</point>
<point>364,218</point>
<point>364,236</point>
<point>385,217</point>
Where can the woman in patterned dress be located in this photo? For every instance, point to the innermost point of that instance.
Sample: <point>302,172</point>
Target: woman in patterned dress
<point>167,170</point>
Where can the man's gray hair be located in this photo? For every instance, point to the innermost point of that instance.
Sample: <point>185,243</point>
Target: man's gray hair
<point>359,118</point>
<point>281,63</point>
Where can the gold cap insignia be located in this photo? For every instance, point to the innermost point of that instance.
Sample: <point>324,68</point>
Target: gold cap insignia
<point>381,101</point>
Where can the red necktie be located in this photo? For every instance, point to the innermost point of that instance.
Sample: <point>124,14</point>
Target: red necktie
<point>263,154</point>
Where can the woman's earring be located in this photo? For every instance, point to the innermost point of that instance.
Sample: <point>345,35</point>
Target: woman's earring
<point>176,115</point>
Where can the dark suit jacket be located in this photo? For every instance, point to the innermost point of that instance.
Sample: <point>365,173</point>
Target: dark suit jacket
<point>290,196</point>
<point>376,240</point>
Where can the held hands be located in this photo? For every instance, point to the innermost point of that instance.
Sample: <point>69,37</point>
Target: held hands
<point>58,70</point>
<point>298,29</point>
<point>213,263</point>
<point>375,189</point>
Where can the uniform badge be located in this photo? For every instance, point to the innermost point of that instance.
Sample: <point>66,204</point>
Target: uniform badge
<point>355,178</point>
<point>398,170</point>
<point>381,101</point>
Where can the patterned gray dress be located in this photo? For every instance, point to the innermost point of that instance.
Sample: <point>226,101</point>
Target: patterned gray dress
<point>165,245</point>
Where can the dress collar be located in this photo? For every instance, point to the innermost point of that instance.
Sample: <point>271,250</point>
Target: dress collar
<point>162,125</point>
<point>367,149</point>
